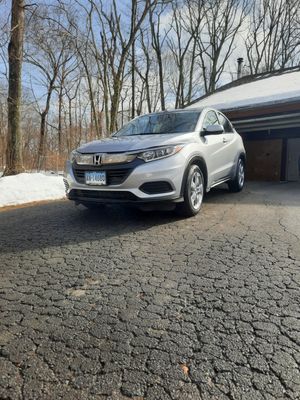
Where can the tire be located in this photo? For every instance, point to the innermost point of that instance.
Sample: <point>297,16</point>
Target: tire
<point>193,193</point>
<point>236,185</point>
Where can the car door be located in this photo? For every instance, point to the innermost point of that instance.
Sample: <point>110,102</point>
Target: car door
<point>229,147</point>
<point>214,147</point>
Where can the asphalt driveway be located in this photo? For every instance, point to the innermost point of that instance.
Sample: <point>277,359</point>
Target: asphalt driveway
<point>122,304</point>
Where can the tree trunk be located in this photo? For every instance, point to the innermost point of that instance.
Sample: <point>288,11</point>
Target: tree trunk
<point>91,94</point>
<point>59,129</point>
<point>133,79</point>
<point>70,123</point>
<point>156,45</point>
<point>14,162</point>
<point>191,74</point>
<point>116,97</point>
<point>41,150</point>
<point>60,108</point>
<point>161,82</point>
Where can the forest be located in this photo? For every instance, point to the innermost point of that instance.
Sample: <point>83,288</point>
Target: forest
<point>86,67</point>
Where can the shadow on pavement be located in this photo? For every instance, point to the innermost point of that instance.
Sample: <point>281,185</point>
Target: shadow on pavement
<point>61,223</point>
<point>273,193</point>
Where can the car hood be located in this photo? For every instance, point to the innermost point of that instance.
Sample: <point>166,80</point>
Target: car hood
<point>134,143</point>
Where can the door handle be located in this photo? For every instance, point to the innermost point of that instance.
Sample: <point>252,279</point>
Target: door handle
<point>225,140</point>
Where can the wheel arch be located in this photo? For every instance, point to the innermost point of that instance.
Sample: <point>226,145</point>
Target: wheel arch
<point>196,160</point>
<point>243,157</point>
<point>239,155</point>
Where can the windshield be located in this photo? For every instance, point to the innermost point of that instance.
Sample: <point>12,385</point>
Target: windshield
<point>161,123</point>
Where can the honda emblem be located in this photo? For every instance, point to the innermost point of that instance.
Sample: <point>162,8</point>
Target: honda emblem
<point>97,159</point>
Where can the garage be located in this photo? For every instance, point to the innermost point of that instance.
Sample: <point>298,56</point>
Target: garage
<point>263,159</point>
<point>265,110</point>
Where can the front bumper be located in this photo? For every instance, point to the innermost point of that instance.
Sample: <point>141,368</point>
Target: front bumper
<point>129,187</point>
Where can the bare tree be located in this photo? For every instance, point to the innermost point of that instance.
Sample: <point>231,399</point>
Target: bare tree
<point>144,70</point>
<point>14,163</point>
<point>48,50</point>
<point>112,21</point>
<point>5,30</point>
<point>71,91</point>
<point>3,124</point>
<point>158,39</point>
<point>273,35</point>
<point>222,21</point>
<point>90,57</point>
<point>182,45</point>
<point>95,64</point>
<point>68,79</point>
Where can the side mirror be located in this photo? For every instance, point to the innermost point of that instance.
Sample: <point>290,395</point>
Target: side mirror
<point>213,130</point>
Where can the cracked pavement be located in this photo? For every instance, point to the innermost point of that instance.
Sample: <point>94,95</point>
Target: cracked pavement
<point>124,304</point>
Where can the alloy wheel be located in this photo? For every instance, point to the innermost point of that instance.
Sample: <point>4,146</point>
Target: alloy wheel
<point>196,190</point>
<point>241,173</point>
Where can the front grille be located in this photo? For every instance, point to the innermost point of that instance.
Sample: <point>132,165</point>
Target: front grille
<point>156,187</point>
<point>114,176</point>
<point>99,195</point>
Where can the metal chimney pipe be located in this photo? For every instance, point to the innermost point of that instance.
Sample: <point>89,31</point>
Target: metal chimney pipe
<point>240,61</point>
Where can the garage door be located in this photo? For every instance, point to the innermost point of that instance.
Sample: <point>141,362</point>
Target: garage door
<point>293,160</point>
<point>263,159</point>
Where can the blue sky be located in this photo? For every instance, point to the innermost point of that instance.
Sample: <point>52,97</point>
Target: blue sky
<point>30,81</point>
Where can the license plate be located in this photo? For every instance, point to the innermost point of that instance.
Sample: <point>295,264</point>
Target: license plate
<point>95,178</point>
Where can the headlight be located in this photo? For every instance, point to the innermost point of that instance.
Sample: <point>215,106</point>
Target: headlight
<point>162,152</point>
<point>73,155</point>
<point>117,158</point>
<point>81,159</point>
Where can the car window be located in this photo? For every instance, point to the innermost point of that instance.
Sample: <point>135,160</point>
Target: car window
<point>210,119</point>
<point>161,123</point>
<point>225,123</point>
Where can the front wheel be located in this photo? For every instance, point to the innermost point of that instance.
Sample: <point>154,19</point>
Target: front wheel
<point>193,193</point>
<point>237,184</point>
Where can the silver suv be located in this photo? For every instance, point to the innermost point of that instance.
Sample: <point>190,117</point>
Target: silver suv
<point>171,156</point>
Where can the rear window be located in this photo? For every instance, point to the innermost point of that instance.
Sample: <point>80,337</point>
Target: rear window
<point>210,119</point>
<point>225,123</point>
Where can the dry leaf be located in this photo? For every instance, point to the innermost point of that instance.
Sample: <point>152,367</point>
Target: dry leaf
<point>185,369</point>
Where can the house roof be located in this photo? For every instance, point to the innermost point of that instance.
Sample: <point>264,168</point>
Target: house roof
<point>272,89</point>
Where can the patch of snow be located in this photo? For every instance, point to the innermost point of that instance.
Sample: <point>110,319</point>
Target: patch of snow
<point>270,90</point>
<point>47,172</point>
<point>28,187</point>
